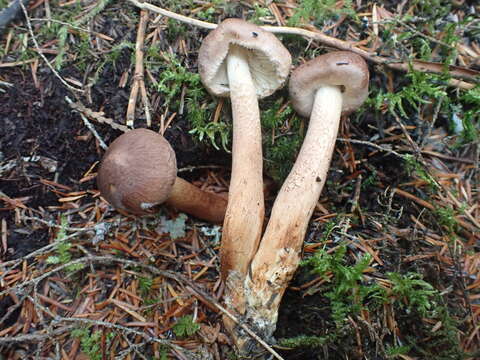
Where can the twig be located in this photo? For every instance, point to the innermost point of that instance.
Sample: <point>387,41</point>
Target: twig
<point>172,15</point>
<point>98,116</point>
<point>51,224</point>
<point>393,152</point>
<point>432,123</point>
<point>447,157</point>
<point>413,144</point>
<point>15,263</point>
<point>35,337</point>
<point>437,68</point>
<point>138,81</point>
<point>4,83</point>
<point>89,126</point>
<point>37,47</point>
<point>368,143</point>
<point>193,168</point>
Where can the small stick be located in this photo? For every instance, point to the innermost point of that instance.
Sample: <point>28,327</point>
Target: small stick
<point>138,81</point>
<point>436,68</point>
<point>368,143</point>
<point>98,116</point>
<point>90,127</point>
<point>146,103</point>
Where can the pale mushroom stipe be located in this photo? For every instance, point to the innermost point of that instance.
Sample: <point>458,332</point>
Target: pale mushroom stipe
<point>139,171</point>
<point>322,89</point>
<point>242,61</point>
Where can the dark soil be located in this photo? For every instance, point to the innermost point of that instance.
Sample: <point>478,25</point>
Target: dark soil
<point>39,122</point>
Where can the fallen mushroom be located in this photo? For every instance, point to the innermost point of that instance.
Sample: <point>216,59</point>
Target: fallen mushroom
<point>240,60</point>
<point>323,89</point>
<point>139,171</point>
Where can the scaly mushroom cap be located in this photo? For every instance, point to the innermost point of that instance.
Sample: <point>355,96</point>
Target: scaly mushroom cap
<point>268,59</point>
<point>343,68</point>
<point>137,171</point>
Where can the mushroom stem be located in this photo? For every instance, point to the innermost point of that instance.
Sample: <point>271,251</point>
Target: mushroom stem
<point>192,200</point>
<point>243,223</point>
<point>278,255</point>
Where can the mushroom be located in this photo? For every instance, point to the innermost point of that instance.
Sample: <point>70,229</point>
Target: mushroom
<point>323,89</point>
<point>139,171</point>
<point>241,61</point>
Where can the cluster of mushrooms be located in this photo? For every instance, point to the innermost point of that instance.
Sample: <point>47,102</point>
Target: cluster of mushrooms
<point>244,62</point>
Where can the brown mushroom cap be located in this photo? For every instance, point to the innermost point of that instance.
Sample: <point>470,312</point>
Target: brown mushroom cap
<point>343,68</point>
<point>268,59</point>
<point>137,171</point>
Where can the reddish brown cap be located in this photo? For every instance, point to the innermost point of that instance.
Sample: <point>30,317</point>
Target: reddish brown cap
<point>343,68</point>
<point>137,171</point>
<point>268,59</point>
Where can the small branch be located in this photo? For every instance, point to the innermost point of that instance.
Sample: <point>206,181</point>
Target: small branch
<point>436,68</point>
<point>172,15</point>
<point>37,336</point>
<point>51,224</point>
<point>89,126</point>
<point>138,82</point>
<point>368,143</point>
<point>98,116</point>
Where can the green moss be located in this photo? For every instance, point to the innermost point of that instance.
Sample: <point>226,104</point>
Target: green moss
<point>345,290</point>
<point>173,78</point>
<point>446,218</point>
<point>320,11</point>
<point>413,166</point>
<point>186,326</point>
<point>304,341</point>
<point>282,139</point>
<point>411,291</point>
<point>90,342</point>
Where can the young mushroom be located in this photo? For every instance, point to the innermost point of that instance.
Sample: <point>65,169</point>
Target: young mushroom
<point>241,61</point>
<point>323,89</point>
<point>139,171</point>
